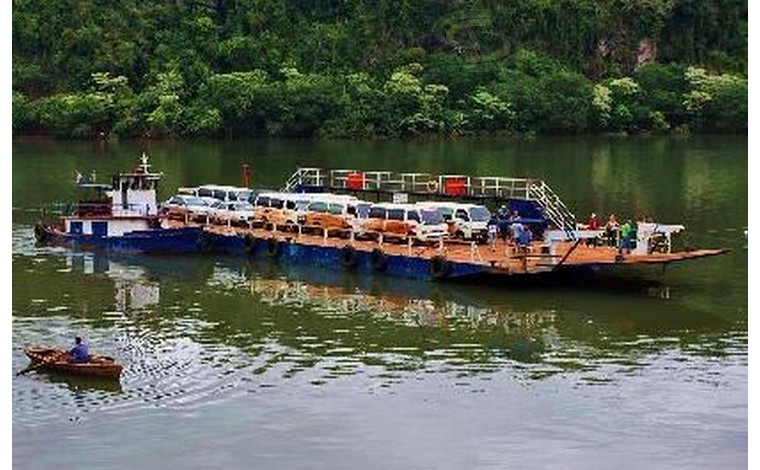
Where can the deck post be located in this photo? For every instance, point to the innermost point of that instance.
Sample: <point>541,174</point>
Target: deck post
<point>324,236</point>
<point>409,246</point>
<point>380,239</point>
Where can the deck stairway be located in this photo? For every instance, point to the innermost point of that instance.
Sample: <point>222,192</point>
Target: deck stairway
<point>484,188</point>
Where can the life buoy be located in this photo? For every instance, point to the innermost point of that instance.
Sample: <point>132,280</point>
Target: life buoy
<point>348,256</point>
<point>204,242</point>
<point>273,247</point>
<point>250,243</point>
<point>379,260</point>
<point>439,267</point>
<point>432,186</point>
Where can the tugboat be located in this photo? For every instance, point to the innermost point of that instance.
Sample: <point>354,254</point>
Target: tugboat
<point>122,216</point>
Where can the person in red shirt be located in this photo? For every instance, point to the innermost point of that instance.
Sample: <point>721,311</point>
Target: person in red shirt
<point>593,222</point>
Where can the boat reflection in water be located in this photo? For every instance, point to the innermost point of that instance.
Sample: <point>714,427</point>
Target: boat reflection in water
<point>79,383</point>
<point>133,290</point>
<point>306,318</point>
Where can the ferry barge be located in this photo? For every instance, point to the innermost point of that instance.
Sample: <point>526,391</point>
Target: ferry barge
<point>125,217</point>
<point>563,246</point>
<point>122,216</point>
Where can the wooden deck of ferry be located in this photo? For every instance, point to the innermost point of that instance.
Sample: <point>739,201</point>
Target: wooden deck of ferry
<point>505,258</point>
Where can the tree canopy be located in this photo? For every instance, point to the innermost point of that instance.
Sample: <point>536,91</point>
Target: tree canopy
<point>376,68</point>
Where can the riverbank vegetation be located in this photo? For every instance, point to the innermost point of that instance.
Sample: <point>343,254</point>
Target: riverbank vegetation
<point>379,68</point>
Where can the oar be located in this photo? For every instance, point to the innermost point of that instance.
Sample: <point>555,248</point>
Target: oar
<point>31,367</point>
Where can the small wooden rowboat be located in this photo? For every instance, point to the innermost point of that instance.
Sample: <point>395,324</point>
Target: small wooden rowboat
<point>56,360</point>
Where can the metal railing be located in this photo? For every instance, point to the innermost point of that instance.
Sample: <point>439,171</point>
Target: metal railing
<point>438,185</point>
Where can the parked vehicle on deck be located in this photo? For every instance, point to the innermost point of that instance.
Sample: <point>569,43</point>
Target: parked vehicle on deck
<point>466,221</point>
<point>214,192</point>
<point>233,213</point>
<point>422,223</point>
<point>185,206</point>
<point>336,212</point>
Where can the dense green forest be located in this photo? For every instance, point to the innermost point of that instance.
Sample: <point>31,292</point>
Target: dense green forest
<point>377,68</point>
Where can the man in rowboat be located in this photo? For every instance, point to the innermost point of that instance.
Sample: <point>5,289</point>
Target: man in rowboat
<point>79,353</point>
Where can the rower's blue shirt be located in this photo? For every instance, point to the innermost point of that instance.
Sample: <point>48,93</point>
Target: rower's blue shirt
<point>80,353</point>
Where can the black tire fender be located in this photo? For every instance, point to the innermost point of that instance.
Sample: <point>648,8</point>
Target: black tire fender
<point>379,260</point>
<point>273,247</point>
<point>348,256</point>
<point>440,267</point>
<point>250,243</point>
<point>204,242</point>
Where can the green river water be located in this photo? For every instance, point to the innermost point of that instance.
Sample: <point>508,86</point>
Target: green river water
<point>234,364</point>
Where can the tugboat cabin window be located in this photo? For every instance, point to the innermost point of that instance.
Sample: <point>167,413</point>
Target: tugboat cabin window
<point>124,182</point>
<point>100,228</point>
<point>76,228</point>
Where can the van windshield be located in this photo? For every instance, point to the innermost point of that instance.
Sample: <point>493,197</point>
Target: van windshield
<point>195,201</point>
<point>376,213</point>
<point>431,217</point>
<point>395,214</point>
<point>241,195</point>
<point>362,210</point>
<point>480,214</point>
<point>446,212</point>
<point>336,209</point>
<point>318,206</point>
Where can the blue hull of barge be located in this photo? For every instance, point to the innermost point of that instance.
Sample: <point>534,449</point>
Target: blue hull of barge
<point>163,241</point>
<point>332,258</point>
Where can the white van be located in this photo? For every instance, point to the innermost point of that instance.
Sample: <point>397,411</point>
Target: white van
<point>213,192</point>
<point>289,209</point>
<point>423,223</point>
<point>466,221</point>
<point>340,212</point>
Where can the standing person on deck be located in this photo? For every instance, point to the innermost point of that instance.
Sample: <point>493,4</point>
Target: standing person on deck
<point>80,352</point>
<point>493,232</point>
<point>611,230</point>
<point>592,224</point>
<point>524,239</point>
<point>625,237</point>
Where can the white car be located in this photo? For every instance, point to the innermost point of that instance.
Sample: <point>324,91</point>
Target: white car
<point>233,213</point>
<point>185,207</point>
<point>466,221</point>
